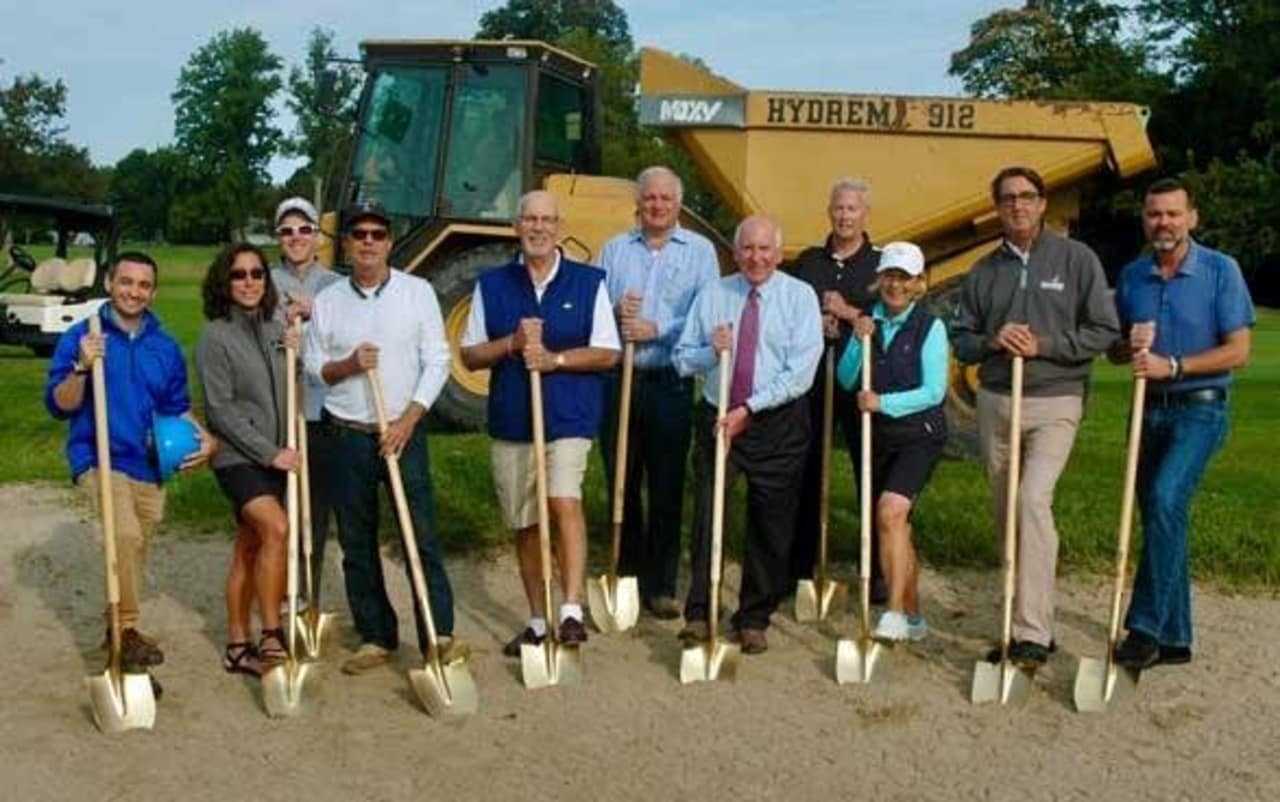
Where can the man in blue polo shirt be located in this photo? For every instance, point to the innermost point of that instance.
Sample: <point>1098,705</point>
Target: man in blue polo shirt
<point>772,324</point>
<point>145,377</point>
<point>543,312</point>
<point>653,273</point>
<point>1202,315</point>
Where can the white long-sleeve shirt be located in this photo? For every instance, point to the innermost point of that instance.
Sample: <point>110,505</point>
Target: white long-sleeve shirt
<point>401,317</point>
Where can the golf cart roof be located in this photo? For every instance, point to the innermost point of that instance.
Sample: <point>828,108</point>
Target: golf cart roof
<point>71,214</point>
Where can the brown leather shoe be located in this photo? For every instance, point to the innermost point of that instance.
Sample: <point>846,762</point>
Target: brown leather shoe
<point>452,650</point>
<point>137,652</point>
<point>572,632</point>
<point>666,608</point>
<point>695,632</point>
<point>512,648</point>
<point>752,641</point>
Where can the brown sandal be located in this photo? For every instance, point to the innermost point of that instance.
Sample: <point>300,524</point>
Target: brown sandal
<point>241,658</point>
<point>271,647</point>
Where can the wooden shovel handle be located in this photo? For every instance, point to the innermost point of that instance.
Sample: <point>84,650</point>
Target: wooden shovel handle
<point>106,500</point>
<point>620,453</point>
<point>540,471</point>
<point>717,498</point>
<point>1011,504</point>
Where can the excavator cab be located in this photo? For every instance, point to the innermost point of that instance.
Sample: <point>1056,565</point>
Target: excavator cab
<point>456,132</point>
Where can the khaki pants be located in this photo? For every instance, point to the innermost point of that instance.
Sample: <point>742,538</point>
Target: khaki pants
<point>139,506</point>
<point>1049,427</point>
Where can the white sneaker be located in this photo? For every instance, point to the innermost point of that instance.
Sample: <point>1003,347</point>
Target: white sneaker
<point>917,629</point>
<point>892,626</point>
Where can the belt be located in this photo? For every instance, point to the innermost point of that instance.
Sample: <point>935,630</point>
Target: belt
<point>1187,398</point>
<point>354,425</point>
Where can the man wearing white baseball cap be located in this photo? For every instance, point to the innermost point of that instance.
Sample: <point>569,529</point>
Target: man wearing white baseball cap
<point>299,278</point>
<point>909,353</point>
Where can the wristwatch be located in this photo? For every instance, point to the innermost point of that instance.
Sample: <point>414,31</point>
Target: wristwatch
<point>559,361</point>
<point>79,368</point>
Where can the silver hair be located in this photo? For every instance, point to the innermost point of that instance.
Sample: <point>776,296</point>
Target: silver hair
<point>777,230</point>
<point>658,171</point>
<point>528,196</point>
<point>857,185</point>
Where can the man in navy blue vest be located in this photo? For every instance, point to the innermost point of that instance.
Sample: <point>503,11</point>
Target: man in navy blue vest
<point>546,313</point>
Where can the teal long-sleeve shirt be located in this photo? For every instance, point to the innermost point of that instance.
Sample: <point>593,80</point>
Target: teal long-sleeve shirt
<point>934,358</point>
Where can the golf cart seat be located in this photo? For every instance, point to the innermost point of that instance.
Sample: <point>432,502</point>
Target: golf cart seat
<point>52,280</point>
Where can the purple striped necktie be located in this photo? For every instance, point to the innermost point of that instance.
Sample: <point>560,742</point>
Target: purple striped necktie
<point>744,362</point>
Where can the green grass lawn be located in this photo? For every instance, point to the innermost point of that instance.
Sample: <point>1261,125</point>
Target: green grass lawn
<point>1235,520</point>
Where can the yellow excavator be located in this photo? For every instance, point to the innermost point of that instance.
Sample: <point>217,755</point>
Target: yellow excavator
<point>449,134</point>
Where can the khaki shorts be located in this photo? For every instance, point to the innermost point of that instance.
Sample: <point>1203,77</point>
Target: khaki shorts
<point>515,478</point>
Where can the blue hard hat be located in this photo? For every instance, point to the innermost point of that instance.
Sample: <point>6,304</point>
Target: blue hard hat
<point>175,440</point>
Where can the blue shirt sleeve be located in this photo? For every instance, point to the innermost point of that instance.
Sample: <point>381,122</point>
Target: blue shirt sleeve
<point>61,365</point>
<point>934,357</point>
<point>1234,306</point>
<point>848,372</point>
<point>693,353</point>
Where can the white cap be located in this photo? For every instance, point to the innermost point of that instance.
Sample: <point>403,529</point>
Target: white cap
<point>301,206</point>
<point>904,256</point>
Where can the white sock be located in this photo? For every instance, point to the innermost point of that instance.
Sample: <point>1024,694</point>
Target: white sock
<point>539,625</point>
<point>570,611</point>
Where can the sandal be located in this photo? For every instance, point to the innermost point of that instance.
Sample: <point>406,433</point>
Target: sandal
<point>241,658</point>
<point>271,648</point>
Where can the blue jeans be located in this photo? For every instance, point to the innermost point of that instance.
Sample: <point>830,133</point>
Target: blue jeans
<point>1177,444</point>
<point>657,452</point>
<point>357,470</point>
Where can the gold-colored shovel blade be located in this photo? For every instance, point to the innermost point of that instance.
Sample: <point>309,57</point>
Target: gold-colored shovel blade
<point>707,663</point>
<point>616,608</point>
<point>447,692</point>
<point>999,682</point>
<point>549,663</point>
<point>1097,687</point>
<point>856,660</point>
<point>282,688</point>
<point>816,601</point>
<point>127,705</point>
<point>312,627</point>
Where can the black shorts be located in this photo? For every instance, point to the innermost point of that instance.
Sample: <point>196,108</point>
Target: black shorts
<point>904,470</point>
<point>244,483</point>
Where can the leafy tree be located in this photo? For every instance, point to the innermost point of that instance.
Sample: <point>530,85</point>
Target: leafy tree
<point>144,186</point>
<point>325,108</point>
<point>549,20</point>
<point>224,125</point>
<point>34,156</point>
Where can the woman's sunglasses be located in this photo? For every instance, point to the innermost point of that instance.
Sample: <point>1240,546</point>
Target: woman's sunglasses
<point>240,274</point>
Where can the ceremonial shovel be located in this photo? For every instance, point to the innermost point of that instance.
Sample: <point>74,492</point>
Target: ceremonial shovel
<point>550,662</point>
<point>615,600</point>
<point>1005,682</point>
<point>282,683</point>
<point>816,597</point>
<point>313,623</point>
<point>856,659</point>
<point>716,659</point>
<point>120,701</point>
<point>445,689</point>
<point>1098,682</point>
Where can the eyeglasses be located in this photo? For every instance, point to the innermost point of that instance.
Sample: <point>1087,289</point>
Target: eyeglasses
<point>240,274</point>
<point>539,219</point>
<point>366,234</point>
<point>301,231</point>
<point>1012,198</point>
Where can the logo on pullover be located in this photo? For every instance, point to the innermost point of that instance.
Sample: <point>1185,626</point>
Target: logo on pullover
<point>1054,284</point>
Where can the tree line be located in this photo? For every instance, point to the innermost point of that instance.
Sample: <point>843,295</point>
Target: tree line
<point>1209,70</point>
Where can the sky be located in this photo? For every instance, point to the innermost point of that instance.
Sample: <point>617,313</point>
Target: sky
<point>120,60</point>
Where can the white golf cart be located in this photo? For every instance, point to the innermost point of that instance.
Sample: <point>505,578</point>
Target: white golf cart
<point>39,300</point>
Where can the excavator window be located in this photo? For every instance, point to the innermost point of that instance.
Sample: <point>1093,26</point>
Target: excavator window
<point>482,177</point>
<point>561,140</point>
<point>396,159</point>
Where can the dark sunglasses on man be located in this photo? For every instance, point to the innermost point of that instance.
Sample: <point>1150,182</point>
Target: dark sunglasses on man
<point>366,234</point>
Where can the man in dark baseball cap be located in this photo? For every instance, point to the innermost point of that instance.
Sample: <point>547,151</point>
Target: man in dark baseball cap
<point>365,210</point>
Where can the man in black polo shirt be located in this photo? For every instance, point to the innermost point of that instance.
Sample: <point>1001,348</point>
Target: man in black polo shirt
<point>841,271</point>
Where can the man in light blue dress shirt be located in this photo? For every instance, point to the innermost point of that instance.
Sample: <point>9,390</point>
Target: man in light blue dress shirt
<point>654,271</point>
<point>772,324</point>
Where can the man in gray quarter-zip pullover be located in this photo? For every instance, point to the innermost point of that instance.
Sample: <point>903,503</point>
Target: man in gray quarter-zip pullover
<point>1041,296</point>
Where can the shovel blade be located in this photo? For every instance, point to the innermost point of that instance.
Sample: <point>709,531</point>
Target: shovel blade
<point>707,662</point>
<point>1097,687</point>
<point>856,660</point>
<point>999,682</point>
<point>816,601</point>
<point>449,692</point>
<point>615,607</point>
<point>549,663</point>
<point>282,688</point>
<point>127,705</point>
<point>311,631</point>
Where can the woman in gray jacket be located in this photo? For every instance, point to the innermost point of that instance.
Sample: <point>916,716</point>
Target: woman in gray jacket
<point>240,358</point>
